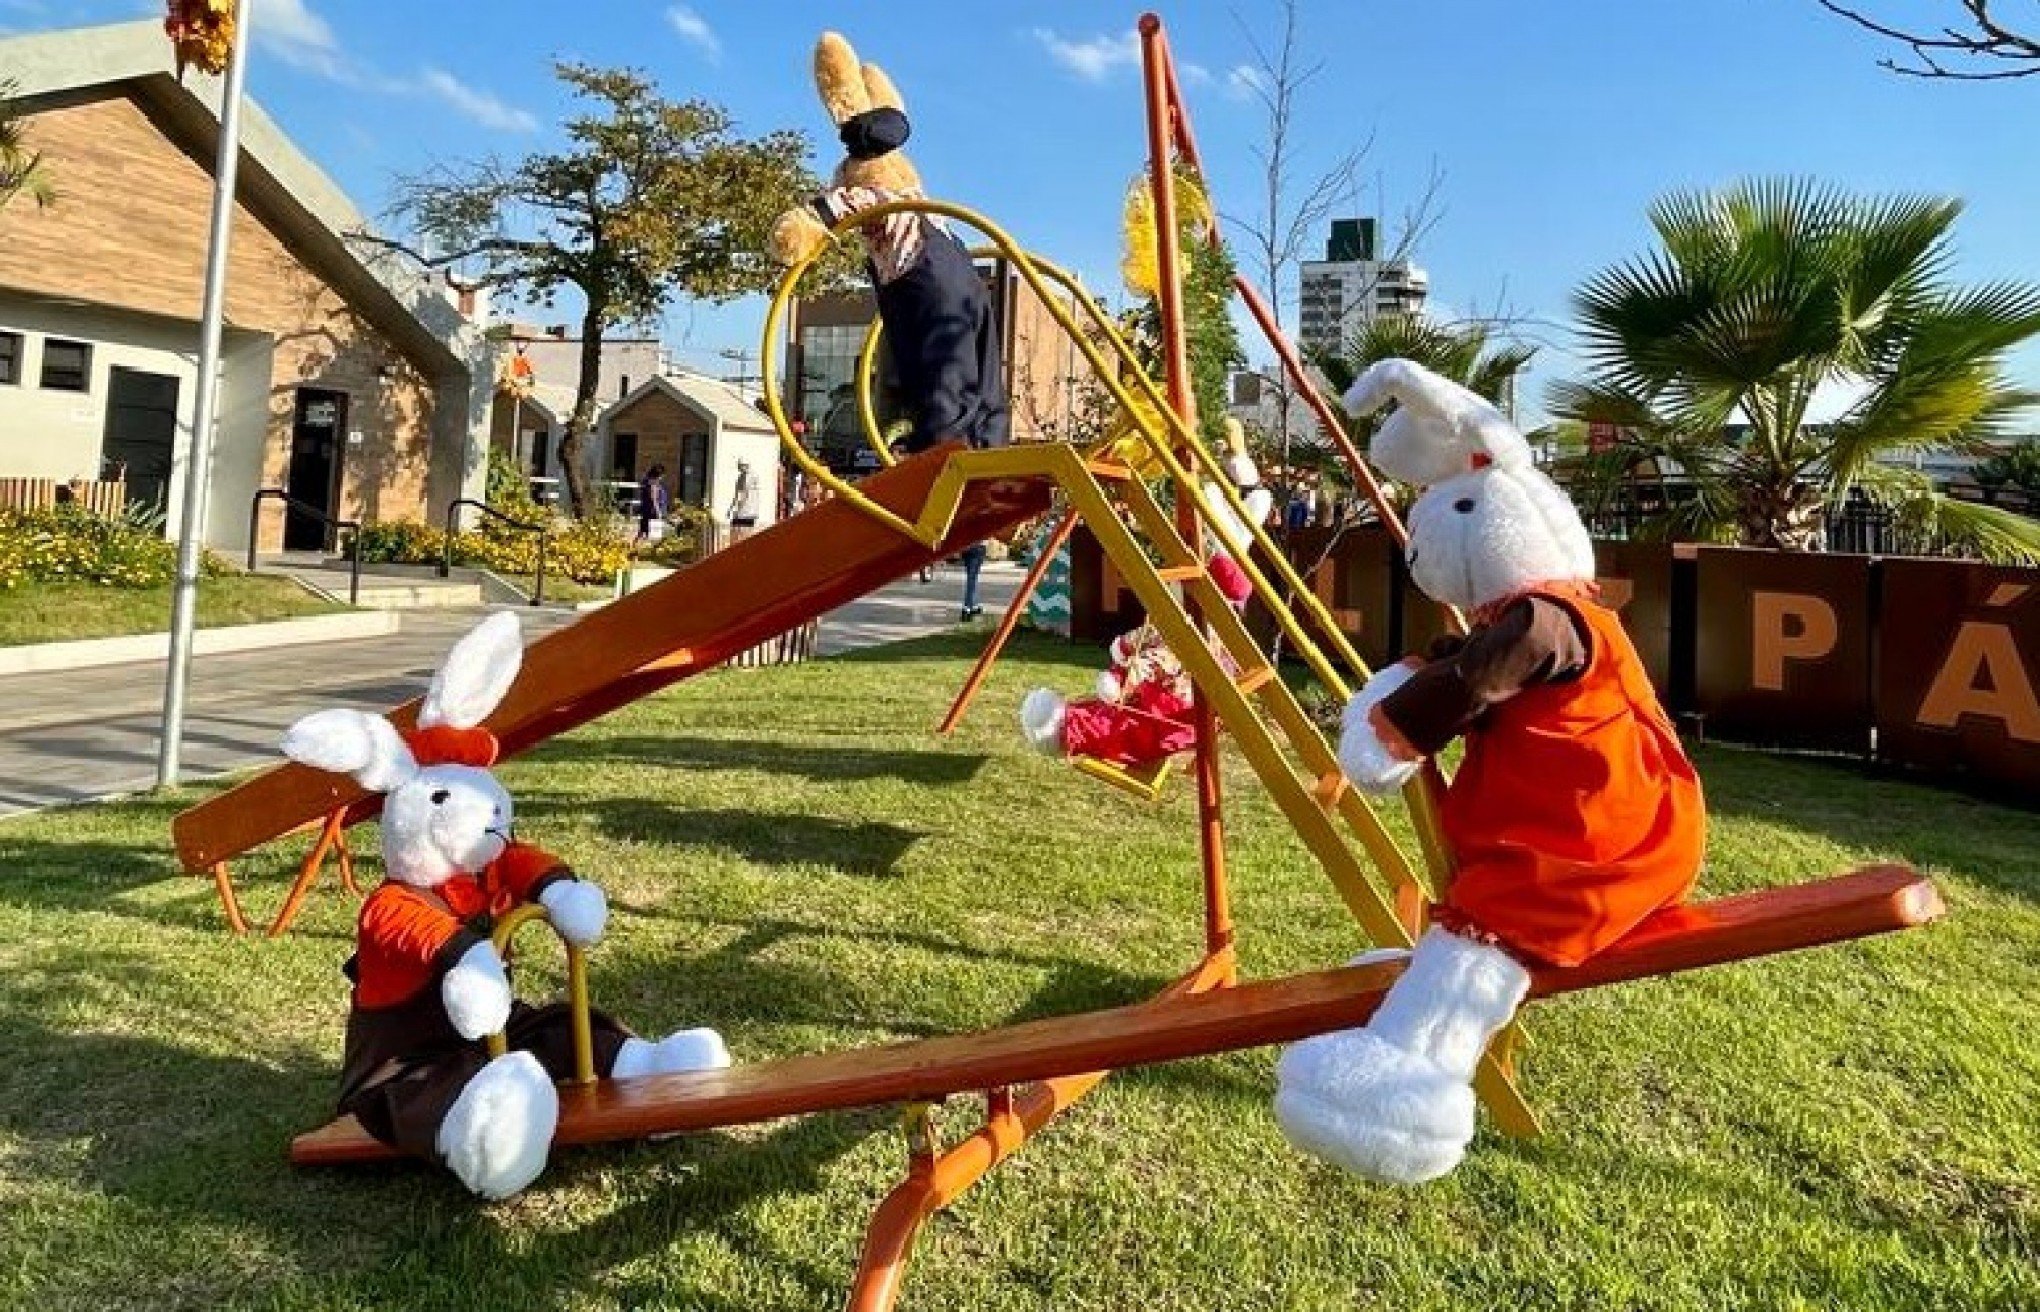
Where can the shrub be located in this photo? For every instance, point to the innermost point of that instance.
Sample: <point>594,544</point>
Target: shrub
<point>70,544</point>
<point>586,551</point>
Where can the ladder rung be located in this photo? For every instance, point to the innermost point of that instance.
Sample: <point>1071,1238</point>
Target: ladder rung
<point>1254,680</point>
<point>1108,471</point>
<point>1330,789</point>
<point>1180,573</point>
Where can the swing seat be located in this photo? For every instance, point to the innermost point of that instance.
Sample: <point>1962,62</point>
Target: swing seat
<point>1877,900</point>
<point>1142,781</point>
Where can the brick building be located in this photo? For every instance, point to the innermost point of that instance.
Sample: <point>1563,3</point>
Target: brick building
<point>345,379</point>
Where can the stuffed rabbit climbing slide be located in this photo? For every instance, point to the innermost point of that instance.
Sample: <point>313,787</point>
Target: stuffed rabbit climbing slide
<point>428,983</point>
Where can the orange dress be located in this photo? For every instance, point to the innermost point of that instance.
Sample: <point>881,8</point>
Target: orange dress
<point>1575,813</point>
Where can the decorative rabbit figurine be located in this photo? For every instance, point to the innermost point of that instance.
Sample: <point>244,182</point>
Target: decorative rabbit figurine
<point>939,326</point>
<point>1141,712</point>
<point>428,983</point>
<point>1574,814</point>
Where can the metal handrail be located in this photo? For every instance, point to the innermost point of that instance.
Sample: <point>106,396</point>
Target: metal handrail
<point>544,531</point>
<point>331,521</point>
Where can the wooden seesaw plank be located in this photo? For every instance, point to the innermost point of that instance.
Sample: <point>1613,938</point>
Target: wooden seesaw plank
<point>745,594</point>
<point>1876,900</point>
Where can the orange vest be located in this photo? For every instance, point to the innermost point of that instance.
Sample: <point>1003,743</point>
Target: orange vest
<point>1575,813</point>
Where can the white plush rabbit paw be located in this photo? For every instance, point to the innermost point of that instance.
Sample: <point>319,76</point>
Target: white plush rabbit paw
<point>1367,759</point>
<point>1380,1111</point>
<point>677,1053</point>
<point>497,1133</point>
<point>1041,721</point>
<point>476,993</point>
<point>578,910</point>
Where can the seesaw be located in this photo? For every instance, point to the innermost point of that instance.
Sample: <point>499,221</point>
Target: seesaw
<point>929,507</point>
<point>1028,1072</point>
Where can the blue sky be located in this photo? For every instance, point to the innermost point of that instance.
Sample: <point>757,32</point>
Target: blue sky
<point>1553,125</point>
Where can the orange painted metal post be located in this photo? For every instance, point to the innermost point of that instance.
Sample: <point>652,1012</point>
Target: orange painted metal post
<point>332,832</point>
<point>223,884</point>
<point>1158,77</point>
<point>934,1181</point>
<point>1007,624</point>
<point>347,880</point>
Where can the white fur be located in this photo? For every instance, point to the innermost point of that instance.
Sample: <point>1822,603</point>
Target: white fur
<point>1235,537</point>
<point>497,1133</point>
<point>1394,1101</point>
<point>351,742</point>
<point>1041,720</point>
<point>1108,686</point>
<point>1239,467</point>
<point>1438,427</point>
<point>1362,755</point>
<point>1490,534</point>
<point>445,820</point>
<point>577,909</point>
<point>476,992</point>
<point>475,674</point>
<point>677,1053</point>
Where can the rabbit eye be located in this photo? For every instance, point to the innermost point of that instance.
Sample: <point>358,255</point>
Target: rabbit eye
<point>439,796</point>
<point>1464,505</point>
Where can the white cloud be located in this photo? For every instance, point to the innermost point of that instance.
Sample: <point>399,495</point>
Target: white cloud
<point>476,104</point>
<point>694,29</point>
<point>1196,75</point>
<point>290,30</point>
<point>1091,58</point>
<point>1245,82</point>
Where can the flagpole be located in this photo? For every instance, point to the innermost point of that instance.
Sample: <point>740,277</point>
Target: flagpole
<point>198,460</point>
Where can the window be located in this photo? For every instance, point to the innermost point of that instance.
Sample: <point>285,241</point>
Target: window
<point>66,366</point>
<point>10,357</point>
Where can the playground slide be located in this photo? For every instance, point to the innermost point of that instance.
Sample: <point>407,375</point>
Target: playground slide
<point>703,615</point>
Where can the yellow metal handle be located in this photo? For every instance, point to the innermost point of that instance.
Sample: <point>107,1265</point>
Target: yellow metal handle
<point>577,990</point>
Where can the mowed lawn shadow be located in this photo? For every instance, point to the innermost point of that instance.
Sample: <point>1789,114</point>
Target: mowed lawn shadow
<point>1922,824</point>
<point>817,763</point>
<point>870,848</point>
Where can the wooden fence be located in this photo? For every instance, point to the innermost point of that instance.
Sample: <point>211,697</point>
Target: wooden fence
<point>42,493</point>
<point>1928,664</point>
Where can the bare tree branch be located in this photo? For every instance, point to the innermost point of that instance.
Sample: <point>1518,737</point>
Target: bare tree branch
<point>1992,51</point>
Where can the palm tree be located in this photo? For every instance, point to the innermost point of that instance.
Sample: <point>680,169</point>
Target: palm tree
<point>1708,352</point>
<point>22,173</point>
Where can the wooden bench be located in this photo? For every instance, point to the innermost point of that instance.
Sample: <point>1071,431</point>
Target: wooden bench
<point>1876,900</point>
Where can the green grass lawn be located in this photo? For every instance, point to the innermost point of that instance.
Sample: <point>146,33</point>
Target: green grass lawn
<point>57,612</point>
<point>794,858</point>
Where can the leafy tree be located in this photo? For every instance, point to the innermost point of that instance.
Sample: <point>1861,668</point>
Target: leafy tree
<point>22,171</point>
<point>650,199</point>
<point>1761,296</point>
<point>2017,466</point>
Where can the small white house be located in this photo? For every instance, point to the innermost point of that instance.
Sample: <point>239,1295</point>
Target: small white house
<point>710,436</point>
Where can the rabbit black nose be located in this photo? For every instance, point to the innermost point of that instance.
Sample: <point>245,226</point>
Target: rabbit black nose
<point>439,796</point>
<point>1464,505</point>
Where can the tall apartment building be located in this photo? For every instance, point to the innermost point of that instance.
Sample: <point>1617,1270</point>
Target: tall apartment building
<point>1350,288</point>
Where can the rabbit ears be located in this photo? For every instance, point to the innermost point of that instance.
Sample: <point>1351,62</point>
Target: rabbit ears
<point>475,674</point>
<point>850,87</point>
<point>1439,429</point>
<point>1239,465</point>
<point>469,684</point>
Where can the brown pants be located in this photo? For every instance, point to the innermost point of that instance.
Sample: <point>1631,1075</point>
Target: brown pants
<point>403,1104</point>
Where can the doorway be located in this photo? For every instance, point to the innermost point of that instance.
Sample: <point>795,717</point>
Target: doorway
<point>140,439</point>
<point>316,432</point>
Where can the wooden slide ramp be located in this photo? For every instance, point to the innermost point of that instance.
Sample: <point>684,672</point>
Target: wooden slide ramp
<point>1875,900</point>
<point>741,596</point>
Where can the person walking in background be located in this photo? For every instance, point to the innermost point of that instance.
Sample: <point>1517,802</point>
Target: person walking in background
<point>653,505</point>
<point>744,501</point>
<point>973,558</point>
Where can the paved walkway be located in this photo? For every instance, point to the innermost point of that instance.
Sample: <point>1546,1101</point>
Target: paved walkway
<point>78,735</point>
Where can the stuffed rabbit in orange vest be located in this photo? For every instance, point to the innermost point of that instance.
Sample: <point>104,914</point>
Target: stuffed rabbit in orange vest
<point>428,983</point>
<point>1574,814</point>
